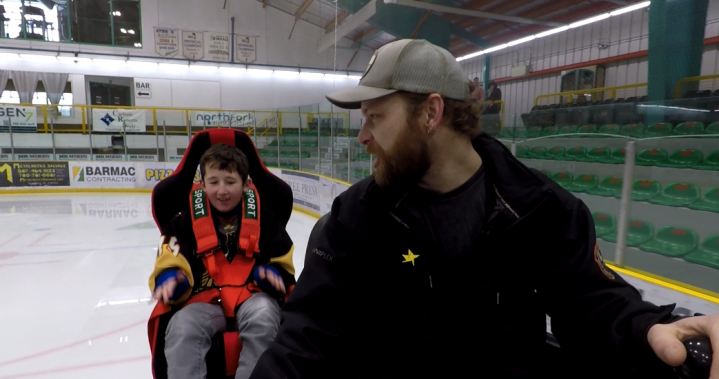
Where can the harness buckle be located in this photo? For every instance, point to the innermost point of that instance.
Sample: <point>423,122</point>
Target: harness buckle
<point>209,252</point>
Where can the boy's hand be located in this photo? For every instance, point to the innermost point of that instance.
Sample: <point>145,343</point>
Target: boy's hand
<point>272,277</point>
<point>164,292</point>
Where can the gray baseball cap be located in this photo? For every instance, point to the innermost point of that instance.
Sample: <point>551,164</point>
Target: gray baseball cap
<point>410,65</point>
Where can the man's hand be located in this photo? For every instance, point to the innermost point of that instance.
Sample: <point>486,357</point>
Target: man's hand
<point>666,339</point>
<point>272,277</point>
<point>164,292</point>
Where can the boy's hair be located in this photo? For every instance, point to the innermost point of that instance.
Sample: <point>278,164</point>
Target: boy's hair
<point>226,158</point>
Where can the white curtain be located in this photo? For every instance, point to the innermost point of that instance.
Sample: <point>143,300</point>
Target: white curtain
<point>54,86</point>
<point>4,75</point>
<point>25,84</point>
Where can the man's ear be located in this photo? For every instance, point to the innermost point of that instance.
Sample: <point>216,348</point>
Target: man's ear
<point>248,184</point>
<point>435,110</point>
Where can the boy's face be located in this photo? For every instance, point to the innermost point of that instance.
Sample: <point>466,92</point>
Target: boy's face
<point>224,188</point>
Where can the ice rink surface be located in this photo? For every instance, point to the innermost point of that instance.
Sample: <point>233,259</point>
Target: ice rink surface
<point>73,271</point>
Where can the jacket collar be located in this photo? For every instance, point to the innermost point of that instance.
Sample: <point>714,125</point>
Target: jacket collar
<point>520,189</point>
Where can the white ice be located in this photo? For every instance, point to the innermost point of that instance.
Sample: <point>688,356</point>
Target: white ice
<point>75,301</point>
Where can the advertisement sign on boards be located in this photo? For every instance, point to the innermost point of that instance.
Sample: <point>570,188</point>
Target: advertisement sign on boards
<point>34,174</point>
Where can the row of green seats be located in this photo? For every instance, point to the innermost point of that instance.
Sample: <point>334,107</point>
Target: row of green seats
<point>671,241</point>
<point>293,143</point>
<point>661,129</point>
<point>362,158</point>
<point>675,195</point>
<point>284,154</point>
<point>682,158</point>
<point>360,173</point>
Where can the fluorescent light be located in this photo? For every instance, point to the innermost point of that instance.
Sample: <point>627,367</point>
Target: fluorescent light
<point>111,62</point>
<point>286,73</point>
<point>39,58</point>
<point>589,20</point>
<point>354,77</point>
<point>172,66</point>
<point>336,76</point>
<point>203,67</point>
<point>630,8</point>
<point>142,64</point>
<point>469,56</point>
<point>493,49</point>
<point>72,59</point>
<point>312,74</point>
<point>551,31</point>
<point>259,71</point>
<point>233,70</point>
<point>8,56</point>
<point>521,40</point>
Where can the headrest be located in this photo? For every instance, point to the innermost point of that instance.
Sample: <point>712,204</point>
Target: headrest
<point>171,195</point>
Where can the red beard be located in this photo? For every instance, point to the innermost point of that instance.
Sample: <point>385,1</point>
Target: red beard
<point>406,162</point>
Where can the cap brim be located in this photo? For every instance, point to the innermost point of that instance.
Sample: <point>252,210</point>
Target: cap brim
<point>352,98</point>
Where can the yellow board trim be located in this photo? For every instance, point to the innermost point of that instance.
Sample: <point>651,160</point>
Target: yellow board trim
<point>635,273</point>
<point>686,289</point>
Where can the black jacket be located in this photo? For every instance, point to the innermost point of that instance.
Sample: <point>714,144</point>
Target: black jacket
<point>359,312</point>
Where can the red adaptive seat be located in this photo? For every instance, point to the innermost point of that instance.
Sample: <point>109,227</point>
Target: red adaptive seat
<point>170,197</point>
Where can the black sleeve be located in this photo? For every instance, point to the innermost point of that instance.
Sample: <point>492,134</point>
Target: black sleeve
<point>324,305</point>
<point>593,310</point>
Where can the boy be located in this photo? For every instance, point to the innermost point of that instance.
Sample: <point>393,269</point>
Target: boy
<point>181,276</point>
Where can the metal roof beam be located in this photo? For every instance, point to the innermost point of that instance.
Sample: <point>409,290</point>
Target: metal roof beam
<point>472,13</point>
<point>357,19</point>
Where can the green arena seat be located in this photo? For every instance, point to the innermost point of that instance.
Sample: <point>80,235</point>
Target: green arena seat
<point>688,128</point>
<point>520,133</point>
<point>569,129</point>
<point>609,186</point>
<point>564,179</point>
<point>534,132</point>
<point>638,232</point>
<point>546,173</point>
<point>556,153</point>
<point>577,153</point>
<point>522,151</point>
<point>589,128</point>
<point>643,190</point>
<point>672,241</point>
<point>550,131</point>
<point>596,154</point>
<point>604,223</point>
<point>506,133</point>
<point>583,183</point>
<point>632,130</point>
<point>609,129</point>
<point>712,129</point>
<point>537,152</point>
<point>711,162</point>
<point>707,254</point>
<point>616,157</point>
<point>677,195</point>
<point>683,159</point>
<point>651,157</point>
<point>709,202</point>
<point>660,129</point>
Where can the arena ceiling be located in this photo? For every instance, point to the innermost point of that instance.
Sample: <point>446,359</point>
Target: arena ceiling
<point>462,26</point>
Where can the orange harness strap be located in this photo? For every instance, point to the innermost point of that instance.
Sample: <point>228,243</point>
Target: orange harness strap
<point>229,277</point>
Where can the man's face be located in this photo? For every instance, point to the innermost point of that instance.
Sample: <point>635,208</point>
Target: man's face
<point>398,142</point>
<point>223,188</point>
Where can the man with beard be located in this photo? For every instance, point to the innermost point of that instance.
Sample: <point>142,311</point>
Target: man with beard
<point>445,263</point>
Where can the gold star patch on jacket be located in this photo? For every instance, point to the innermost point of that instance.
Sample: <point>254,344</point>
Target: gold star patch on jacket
<point>410,257</point>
